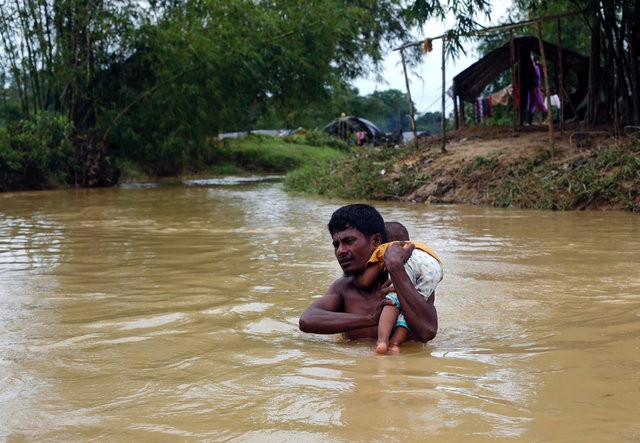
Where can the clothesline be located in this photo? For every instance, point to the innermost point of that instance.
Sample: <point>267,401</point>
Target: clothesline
<point>483,106</point>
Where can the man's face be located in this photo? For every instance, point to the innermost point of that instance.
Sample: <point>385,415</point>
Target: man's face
<point>353,249</point>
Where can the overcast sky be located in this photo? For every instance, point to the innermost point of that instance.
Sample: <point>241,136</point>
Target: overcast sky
<point>426,91</point>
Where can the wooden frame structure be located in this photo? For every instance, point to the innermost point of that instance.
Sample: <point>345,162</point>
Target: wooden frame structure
<point>508,27</point>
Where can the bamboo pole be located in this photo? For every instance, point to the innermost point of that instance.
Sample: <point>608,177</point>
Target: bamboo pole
<point>492,29</point>
<point>546,85</point>
<point>560,79</point>
<point>406,80</point>
<point>443,123</point>
<point>594,57</point>
<point>456,117</point>
<point>512,55</point>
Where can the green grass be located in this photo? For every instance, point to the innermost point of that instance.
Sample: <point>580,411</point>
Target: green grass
<point>366,173</point>
<point>607,177</point>
<point>251,154</point>
<point>270,154</point>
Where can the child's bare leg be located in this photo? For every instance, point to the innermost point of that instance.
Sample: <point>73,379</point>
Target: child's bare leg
<point>399,336</point>
<point>385,327</point>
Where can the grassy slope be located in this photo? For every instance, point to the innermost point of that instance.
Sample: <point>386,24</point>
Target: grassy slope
<point>491,166</point>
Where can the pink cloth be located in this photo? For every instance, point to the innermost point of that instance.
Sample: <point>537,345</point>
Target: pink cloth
<point>536,99</point>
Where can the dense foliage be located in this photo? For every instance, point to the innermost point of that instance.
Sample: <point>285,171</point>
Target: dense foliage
<point>153,83</point>
<point>36,153</point>
<point>157,80</point>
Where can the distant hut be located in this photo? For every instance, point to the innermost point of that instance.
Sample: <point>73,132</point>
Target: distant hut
<point>356,129</point>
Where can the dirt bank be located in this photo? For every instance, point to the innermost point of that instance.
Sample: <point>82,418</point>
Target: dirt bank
<point>478,160</point>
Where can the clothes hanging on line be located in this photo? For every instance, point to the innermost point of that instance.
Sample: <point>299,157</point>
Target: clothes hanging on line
<point>482,109</point>
<point>502,96</point>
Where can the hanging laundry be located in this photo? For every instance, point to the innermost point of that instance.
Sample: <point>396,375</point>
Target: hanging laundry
<point>482,109</point>
<point>502,96</point>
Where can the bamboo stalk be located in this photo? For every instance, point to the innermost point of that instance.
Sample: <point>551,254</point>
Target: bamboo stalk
<point>546,85</point>
<point>406,80</point>
<point>444,48</point>
<point>560,79</point>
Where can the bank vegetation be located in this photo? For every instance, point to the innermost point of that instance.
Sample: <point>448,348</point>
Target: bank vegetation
<point>489,166</point>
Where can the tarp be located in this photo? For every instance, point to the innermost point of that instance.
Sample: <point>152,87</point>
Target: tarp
<point>470,83</point>
<point>348,127</point>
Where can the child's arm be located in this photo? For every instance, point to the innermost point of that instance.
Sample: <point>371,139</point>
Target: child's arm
<point>368,277</point>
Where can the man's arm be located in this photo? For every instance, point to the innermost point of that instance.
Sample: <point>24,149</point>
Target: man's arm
<point>420,313</point>
<point>326,315</point>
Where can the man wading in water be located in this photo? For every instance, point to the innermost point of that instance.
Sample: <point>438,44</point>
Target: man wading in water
<point>357,230</point>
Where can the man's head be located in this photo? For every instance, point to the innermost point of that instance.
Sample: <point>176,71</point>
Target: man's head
<point>356,230</point>
<point>396,231</point>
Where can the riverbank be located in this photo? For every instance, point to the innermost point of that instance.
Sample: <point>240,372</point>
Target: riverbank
<point>496,167</point>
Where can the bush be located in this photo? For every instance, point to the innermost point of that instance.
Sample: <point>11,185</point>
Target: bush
<point>363,175</point>
<point>608,177</point>
<point>36,153</point>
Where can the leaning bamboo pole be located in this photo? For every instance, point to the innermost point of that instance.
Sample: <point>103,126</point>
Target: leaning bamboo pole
<point>492,29</point>
<point>443,118</point>
<point>515,85</point>
<point>413,121</point>
<point>546,85</point>
<point>560,78</point>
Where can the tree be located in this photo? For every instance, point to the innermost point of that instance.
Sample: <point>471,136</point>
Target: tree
<point>430,122</point>
<point>464,13</point>
<point>393,110</point>
<point>156,79</point>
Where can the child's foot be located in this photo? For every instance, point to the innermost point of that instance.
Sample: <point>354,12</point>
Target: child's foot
<point>382,348</point>
<point>394,348</point>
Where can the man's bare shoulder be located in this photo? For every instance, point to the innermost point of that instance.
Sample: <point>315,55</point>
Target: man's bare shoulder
<point>341,285</point>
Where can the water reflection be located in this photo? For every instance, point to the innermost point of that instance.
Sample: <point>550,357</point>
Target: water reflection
<point>169,312</point>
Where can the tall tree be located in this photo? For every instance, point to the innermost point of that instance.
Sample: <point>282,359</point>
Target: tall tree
<point>218,66</point>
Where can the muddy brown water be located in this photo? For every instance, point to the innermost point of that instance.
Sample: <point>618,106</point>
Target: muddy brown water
<point>169,313</point>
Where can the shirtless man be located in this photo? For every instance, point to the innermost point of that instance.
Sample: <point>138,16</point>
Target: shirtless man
<point>357,230</point>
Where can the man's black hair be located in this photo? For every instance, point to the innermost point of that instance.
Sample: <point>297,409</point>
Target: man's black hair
<point>364,218</point>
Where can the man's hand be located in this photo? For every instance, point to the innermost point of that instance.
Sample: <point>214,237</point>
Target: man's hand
<point>397,254</point>
<point>387,287</point>
<point>420,313</point>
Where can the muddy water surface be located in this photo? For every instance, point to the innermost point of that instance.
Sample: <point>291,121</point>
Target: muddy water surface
<point>169,313</point>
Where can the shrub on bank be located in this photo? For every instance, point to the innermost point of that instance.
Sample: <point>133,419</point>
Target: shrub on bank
<point>367,173</point>
<point>607,177</point>
<point>36,153</point>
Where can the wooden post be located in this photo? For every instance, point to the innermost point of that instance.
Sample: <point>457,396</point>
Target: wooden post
<point>406,80</point>
<point>443,123</point>
<point>546,85</point>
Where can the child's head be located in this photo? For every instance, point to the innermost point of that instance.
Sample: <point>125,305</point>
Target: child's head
<point>396,231</point>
